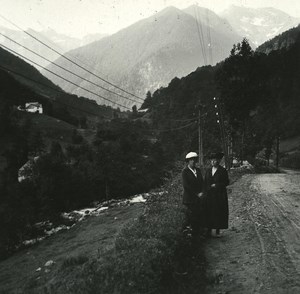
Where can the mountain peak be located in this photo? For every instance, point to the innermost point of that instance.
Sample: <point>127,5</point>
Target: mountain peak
<point>259,24</point>
<point>199,10</point>
<point>168,10</point>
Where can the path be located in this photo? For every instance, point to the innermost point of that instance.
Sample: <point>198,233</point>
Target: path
<point>260,253</point>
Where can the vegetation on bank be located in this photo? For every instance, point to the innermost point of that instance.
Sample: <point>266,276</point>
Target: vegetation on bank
<point>150,255</point>
<point>143,258</point>
<point>121,161</point>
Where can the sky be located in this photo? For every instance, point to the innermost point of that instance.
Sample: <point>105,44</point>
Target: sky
<point>77,18</point>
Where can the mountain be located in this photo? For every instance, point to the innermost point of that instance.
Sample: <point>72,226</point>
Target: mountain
<point>262,89</point>
<point>59,42</point>
<point>149,53</point>
<point>282,41</point>
<point>259,24</point>
<point>67,43</point>
<point>211,19</point>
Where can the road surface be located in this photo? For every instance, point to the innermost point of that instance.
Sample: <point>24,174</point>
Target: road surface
<point>260,252</point>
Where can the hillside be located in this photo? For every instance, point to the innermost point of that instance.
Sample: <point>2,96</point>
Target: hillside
<point>149,53</point>
<point>282,41</point>
<point>259,24</point>
<point>260,100</point>
<point>55,99</point>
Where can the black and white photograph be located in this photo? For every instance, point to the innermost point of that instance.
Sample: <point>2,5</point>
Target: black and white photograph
<point>149,146</point>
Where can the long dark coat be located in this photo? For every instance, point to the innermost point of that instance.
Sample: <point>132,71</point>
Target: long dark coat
<point>216,200</point>
<point>192,186</point>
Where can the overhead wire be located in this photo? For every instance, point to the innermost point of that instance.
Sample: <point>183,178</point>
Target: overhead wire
<point>70,60</point>
<point>54,89</point>
<point>183,120</point>
<point>39,55</point>
<point>200,36</point>
<point>175,129</point>
<point>210,54</point>
<point>91,92</point>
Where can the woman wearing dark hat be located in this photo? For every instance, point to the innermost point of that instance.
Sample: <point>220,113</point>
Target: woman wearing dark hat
<point>216,200</point>
<point>193,190</point>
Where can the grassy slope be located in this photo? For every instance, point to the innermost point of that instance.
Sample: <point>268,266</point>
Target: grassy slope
<point>53,129</point>
<point>68,249</point>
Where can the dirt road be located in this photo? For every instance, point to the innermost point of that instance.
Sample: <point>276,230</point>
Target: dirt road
<point>260,252</point>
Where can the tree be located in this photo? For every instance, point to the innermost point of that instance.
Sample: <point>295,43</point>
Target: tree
<point>236,79</point>
<point>36,143</point>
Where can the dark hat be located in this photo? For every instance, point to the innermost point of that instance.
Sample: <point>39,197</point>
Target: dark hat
<point>216,155</point>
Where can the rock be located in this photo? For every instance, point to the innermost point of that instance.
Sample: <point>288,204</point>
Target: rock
<point>49,263</point>
<point>38,269</point>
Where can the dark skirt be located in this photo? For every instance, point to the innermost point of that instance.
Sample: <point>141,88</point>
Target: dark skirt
<point>216,210</point>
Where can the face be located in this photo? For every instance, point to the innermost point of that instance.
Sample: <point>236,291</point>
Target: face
<point>192,162</point>
<point>215,162</point>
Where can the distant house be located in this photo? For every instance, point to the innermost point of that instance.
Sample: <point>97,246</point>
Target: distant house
<point>33,107</point>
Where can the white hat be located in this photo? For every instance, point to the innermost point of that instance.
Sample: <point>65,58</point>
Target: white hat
<point>191,155</point>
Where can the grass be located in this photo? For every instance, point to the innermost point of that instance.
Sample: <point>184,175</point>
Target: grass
<point>143,259</point>
<point>50,127</point>
<point>74,261</point>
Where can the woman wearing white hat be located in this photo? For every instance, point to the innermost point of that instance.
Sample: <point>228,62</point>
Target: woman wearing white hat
<point>193,186</point>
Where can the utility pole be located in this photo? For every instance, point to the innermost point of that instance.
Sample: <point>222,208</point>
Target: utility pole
<point>277,151</point>
<point>200,137</point>
<point>220,121</point>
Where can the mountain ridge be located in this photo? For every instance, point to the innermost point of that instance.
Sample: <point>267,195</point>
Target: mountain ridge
<point>150,52</point>
<point>259,24</point>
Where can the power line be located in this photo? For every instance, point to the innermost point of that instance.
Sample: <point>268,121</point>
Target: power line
<point>55,89</point>
<point>200,33</point>
<point>182,120</point>
<point>179,128</point>
<point>209,39</point>
<point>100,96</point>
<point>67,69</point>
<point>70,60</point>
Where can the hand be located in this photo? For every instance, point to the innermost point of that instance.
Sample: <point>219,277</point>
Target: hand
<point>213,185</point>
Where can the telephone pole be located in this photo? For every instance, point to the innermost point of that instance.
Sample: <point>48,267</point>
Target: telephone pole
<point>220,121</point>
<point>200,137</point>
